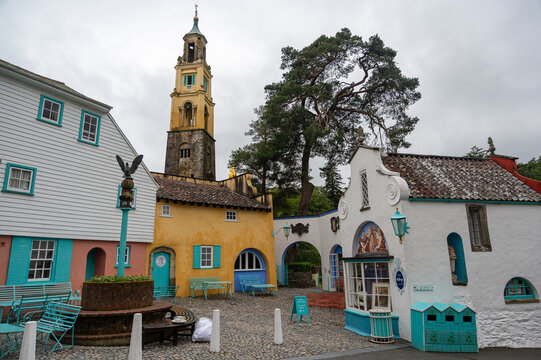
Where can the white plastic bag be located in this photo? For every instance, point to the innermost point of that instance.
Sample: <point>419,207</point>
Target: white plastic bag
<point>203,330</point>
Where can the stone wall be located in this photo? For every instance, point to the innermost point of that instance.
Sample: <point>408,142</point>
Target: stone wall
<point>300,280</point>
<point>200,164</point>
<point>516,329</point>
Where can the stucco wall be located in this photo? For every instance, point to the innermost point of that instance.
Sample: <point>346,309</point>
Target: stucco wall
<point>5,248</point>
<point>200,225</point>
<point>80,252</point>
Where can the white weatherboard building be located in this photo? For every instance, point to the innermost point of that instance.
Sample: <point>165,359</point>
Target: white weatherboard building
<point>472,240</point>
<point>59,181</point>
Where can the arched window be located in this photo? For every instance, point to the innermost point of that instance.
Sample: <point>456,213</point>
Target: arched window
<point>518,290</point>
<point>206,118</point>
<point>185,151</point>
<point>248,261</point>
<point>189,118</point>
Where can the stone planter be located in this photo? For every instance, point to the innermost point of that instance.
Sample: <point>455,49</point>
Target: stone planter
<point>117,296</point>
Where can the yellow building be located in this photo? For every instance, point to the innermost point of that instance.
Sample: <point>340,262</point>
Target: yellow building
<point>203,227</point>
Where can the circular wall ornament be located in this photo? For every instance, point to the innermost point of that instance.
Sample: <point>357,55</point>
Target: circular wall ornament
<point>161,261</point>
<point>342,209</point>
<point>393,193</point>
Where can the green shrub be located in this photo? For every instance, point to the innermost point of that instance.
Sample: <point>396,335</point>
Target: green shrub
<point>299,267</point>
<point>116,278</point>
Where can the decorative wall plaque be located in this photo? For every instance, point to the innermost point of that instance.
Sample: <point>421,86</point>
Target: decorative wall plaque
<point>399,276</point>
<point>299,228</point>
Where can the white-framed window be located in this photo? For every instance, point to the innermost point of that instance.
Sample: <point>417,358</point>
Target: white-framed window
<point>50,110</point>
<point>19,179</point>
<point>248,261</point>
<point>126,255</point>
<point>230,215</point>
<point>41,260</point>
<point>367,285</point>
<point>89,131</point>
<point>166,210</point>
<point>365,203</point>
<point>206,257</point>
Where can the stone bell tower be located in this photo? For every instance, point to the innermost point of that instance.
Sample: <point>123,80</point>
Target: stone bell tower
<point>190,139</point>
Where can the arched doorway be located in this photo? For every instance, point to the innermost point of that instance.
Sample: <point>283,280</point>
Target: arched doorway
<point>95,263</point>
<point>250,262</point>
<point>300,257</point>
<point>336,269</point>
<point>162,266</point>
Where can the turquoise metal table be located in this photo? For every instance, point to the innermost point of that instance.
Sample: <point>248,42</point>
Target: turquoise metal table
<point>12,334</point>
<point>226,285</point>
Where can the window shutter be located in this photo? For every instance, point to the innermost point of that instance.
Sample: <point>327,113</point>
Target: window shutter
<point>19,260</point>
<point>185,76</point>
<point>61,270</point>
<point>197,256</point>
<point>217,250</point>
<point>193,79</point>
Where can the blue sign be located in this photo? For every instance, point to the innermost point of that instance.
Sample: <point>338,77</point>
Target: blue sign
<point>399,280</point>
<point>300,308</point>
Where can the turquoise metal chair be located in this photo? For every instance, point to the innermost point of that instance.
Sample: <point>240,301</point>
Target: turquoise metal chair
<point>57,319</point>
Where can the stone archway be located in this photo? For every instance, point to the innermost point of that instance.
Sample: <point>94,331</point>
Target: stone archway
<point>173,262</point>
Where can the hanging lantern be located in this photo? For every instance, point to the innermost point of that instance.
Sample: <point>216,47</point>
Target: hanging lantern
<point>400,225</point>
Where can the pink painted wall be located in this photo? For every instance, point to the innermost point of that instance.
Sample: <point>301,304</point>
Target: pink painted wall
<point>5,249</point>
<point>82,247</point>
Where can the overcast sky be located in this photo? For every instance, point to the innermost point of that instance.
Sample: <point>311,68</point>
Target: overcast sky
<point>478,62</point>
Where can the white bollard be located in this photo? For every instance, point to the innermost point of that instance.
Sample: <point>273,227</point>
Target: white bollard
<point>28,348</point>
<point>278,339</point>
<point>136,341</point>
<point>215,336</point>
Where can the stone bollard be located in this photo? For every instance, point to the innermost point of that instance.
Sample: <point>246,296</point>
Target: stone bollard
<point>28,348</point>
<point>215,336</point>
<point>278,339</point>
<point>136,341</point>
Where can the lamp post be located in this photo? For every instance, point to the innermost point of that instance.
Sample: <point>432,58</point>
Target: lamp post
<point>287,230</point>
<point>400,225</point>
<point>125,205</point>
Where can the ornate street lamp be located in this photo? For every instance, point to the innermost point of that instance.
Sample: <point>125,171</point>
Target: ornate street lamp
<point>126,204</point>
<point>287,230</point>
<point>400,225</point>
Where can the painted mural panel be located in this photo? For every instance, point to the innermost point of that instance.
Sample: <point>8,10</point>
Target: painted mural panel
<point>371,239</point>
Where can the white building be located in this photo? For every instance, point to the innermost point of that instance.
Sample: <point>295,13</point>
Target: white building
<point>471,210</point>
<point>59,219</point>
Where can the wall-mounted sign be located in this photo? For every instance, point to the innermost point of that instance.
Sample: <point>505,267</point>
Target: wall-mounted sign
<point>371,239</point>
<point>161,261</point>
<point>335,223</point>
<point>300,308</point>
<point>399,276</point>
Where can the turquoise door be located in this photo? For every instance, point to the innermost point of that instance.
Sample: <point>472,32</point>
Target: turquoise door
<point>160,269</point>
<point>90,264</point>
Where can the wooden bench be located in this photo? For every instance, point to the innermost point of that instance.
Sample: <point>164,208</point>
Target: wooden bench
<point>199,284</point>
<point>50,291</point>
<point>165,292</point>
<point>253,283</point>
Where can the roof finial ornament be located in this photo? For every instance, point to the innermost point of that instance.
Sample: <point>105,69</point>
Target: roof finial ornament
<point>195,17</point>
<point>491,147</point>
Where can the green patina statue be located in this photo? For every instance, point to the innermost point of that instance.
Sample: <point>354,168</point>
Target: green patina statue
<point>126,194</point>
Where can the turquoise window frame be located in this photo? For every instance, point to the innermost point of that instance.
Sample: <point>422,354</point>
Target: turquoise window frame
<point>216,257</point>
<point>53,262</point>
<point>98,126</point>
<point>134,197</point>
<point>9,166</point>
<point>514,284</point>
<point>128,255</point>
<point>205,83</point>
<point>60,112</point>
<point>186,80</point>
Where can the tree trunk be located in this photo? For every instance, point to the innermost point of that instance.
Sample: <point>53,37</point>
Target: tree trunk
<point>307,188</point>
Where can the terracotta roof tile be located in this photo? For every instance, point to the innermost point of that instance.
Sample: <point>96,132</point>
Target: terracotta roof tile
<point>441,177</point>
<point>198,193</point>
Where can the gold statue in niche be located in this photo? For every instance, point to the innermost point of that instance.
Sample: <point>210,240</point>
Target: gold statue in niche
<point>232,173</point>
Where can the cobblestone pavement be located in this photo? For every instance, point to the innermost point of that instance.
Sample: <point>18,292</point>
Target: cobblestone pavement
<point>247,332</point>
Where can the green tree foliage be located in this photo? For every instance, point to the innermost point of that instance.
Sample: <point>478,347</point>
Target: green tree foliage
<point>531,169</point>
<point>477,152</point>
<point>333,181</point>
<point>329,91</point>
<point>287,202</point>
